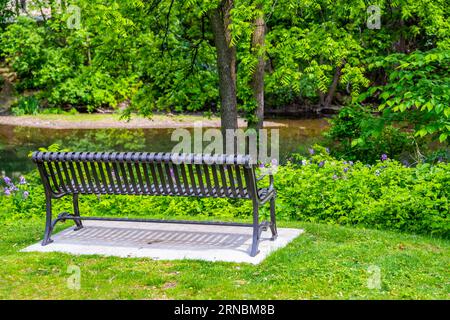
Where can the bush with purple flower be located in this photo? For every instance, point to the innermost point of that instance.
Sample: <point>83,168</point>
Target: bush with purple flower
<point>22,180</point>
<point>11,189</point>
<point>7,180</point>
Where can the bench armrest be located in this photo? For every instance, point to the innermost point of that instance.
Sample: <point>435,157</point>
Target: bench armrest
<point>270,191</point>
<point>270,179</point>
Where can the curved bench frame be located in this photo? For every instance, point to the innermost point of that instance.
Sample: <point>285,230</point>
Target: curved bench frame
<point>162,174</point>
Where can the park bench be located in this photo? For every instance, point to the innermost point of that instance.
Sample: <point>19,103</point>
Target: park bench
<point>153,174</point>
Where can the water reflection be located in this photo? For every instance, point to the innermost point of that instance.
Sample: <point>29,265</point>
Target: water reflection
<point>17,142</point>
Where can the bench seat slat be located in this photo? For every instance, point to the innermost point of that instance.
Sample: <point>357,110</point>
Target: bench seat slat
<point>160,171</point>
<point>123,173</point>
<point>176,177</point>
<point>184,176</point>
<point>240,183</point>
<point>77,186</point>
<point>192,178</point>
<point>105,185</point>
<point>231,179</point>
<point>88,175</point>
<point>225,188</point>
<point>170,177</point>
<point>81,175</point>
<point>109,173</point>
<point>52,175</point>
<point>116,173</point>
<point>208,180</point>
<point>97,186</point>
<point>217,188</point>
<point>199,172</point>
<point>138,168</point>
<point>146,175</point>
<point>155,178</point>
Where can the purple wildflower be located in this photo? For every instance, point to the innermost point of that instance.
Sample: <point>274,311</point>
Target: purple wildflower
<point>345,170</point>
<point>7,192</point>
<point>350,163</point>
<point>274,162</point>
<point>335,177</point>
<point>311,151</point>
<point>405,163</point>
<point>384,157</point>
<point>262,166</point>
<point>26,194</point>
<point>7,180</point>
<point>12,187</point>
<point>22,180</point>
<point>345,162</point>
<point>327,150</point>
<point>321,164</point>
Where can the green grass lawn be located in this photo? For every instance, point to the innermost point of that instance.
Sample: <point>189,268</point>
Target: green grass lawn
<point>327,262</point>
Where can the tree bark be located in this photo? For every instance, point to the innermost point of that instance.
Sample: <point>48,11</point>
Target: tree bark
<point>226,64</point>
<point>17,2</point>
<point>326,103</point>
<point>257,83</point>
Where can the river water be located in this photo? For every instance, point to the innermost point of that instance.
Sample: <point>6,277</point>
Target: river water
<point>16,142</point>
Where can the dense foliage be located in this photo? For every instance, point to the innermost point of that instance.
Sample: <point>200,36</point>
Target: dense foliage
<point>161,55</point>
<point>356,133</point>
<point>419,88</point>
<point>387,195</point>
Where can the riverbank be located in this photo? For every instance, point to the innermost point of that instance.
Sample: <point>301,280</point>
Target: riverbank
<point>107,121</point>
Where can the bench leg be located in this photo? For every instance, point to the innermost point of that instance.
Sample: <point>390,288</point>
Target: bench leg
<point>256,231</point>
<point>273,222</point>
<point>48,221</point>
<point>76,213</point>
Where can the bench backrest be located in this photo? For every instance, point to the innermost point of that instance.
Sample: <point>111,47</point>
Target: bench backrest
<point>140,173</point>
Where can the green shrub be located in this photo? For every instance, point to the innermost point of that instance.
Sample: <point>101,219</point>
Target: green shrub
<point>417,89</point>
<point>386,195</point>
<point>26,105</point>
<point>357,133</point>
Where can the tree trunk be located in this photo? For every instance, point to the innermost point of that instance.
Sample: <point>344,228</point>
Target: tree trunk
<point>17,7</point>
<point>226,64</point>
<point>257,82</point>
<point>326,103</point>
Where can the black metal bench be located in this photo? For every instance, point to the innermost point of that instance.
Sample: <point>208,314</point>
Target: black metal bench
<point>156,174</point>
